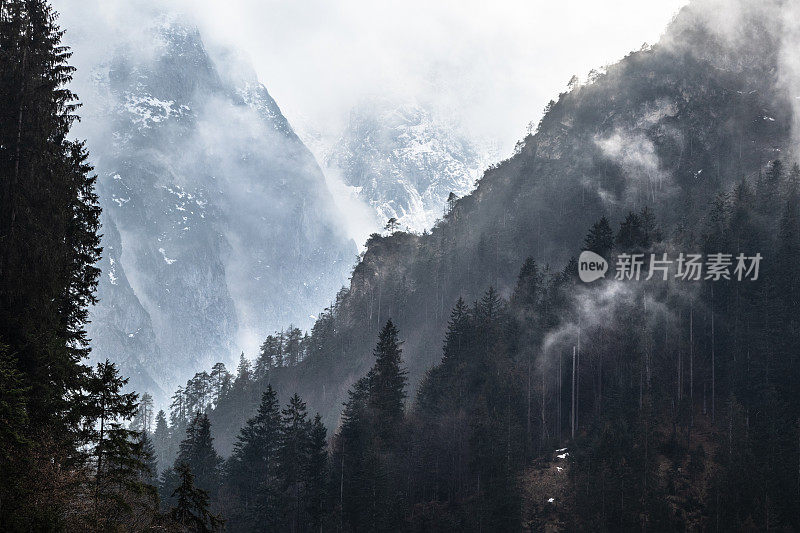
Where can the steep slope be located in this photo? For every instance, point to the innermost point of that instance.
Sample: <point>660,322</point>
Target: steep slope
<point>218,224</point>
<point>404,162</point>
<point>667,127</point>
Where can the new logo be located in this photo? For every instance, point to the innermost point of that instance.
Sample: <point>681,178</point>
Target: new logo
<point>591,267</point>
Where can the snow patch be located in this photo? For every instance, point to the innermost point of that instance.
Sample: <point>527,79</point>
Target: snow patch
<point>146,110</point>
<point>166,259</point>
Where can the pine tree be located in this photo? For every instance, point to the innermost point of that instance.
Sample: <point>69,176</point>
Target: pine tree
<point>387,381</point>
<point>293,460</point>
<point>280,359</point>
<point>305,346</point>
<point>49,218</point>
<point>243,379</point>
<point>265,361</point>
<point>788,282</point>
<point>49,211</point>
<point>316,474</point>
<point>650,231</point>
<point>293,339</point>
<point>191,510</point>
<point>177,412</point>
<point>147,457</point>
<point>242,390</point>
<point>452,199</point>
<point>457,335</point>
<point>119,460</point>
<point>631,236</point>
<point>352,482</point>
<point>600,238</point>
<point>244,368</point>
<point>529,285</point>
<point>197,451</point>
<point>143,420</point>
<point>770,186</point>
<point>251,472</point>
<point>161,442</point>
<point>220,382</point>
<point>198,393</point>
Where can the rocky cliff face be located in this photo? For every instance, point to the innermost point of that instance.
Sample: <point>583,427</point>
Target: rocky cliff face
<point>404,162</point>
<point>218,226</point>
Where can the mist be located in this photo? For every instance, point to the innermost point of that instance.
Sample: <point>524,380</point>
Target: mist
<point>493,68</point>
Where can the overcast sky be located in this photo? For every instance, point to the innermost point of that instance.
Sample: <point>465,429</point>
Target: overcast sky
<point>491,65</point>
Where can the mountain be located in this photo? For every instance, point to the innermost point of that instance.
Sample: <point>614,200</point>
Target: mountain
<point>403,161</point>
<point>217,222</point>
<point>668,127</point>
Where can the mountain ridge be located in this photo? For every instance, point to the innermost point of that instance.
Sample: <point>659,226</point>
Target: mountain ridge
<point>199,175</point>
<point>668,127</point>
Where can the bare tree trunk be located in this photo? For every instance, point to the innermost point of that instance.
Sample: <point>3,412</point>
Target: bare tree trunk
<point>578,374</point>
<point>544,418</point>
<point>559,397</point>
<point>577,386</point>
<point>98,474</point>
<point>713,364</point>
<point>680,371</point>
<point>341,492</point>
<point>691,373</point>
<point>530,435</point>
<point>572,415</point>
<point>600,385</point>
<point>691,354</point>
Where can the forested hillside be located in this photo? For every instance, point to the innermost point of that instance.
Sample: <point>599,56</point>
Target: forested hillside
<point>623,405</point>
<point>668,127</point>
<point>670,403</point>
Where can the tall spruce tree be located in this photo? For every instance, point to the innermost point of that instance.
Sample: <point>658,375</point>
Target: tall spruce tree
<point>457,335</point>
<point>387,381</point>
<point>191,510</point>
<point>143,420</point>
<point>251,471</point>
<point>198,453</point>
<point>351,481</point>
<point>220,382</point>
<point>316,474</point>
<point>121,477</point>
<point>631,235</point>
<point>600,238</point>
<point>149,460</point>
<point>49,244</point>
<point>293,456</point>
<point>161,441</point>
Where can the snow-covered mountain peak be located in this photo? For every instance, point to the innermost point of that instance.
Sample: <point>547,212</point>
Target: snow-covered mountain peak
<point>404,161</point>
<point>218,225</point>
